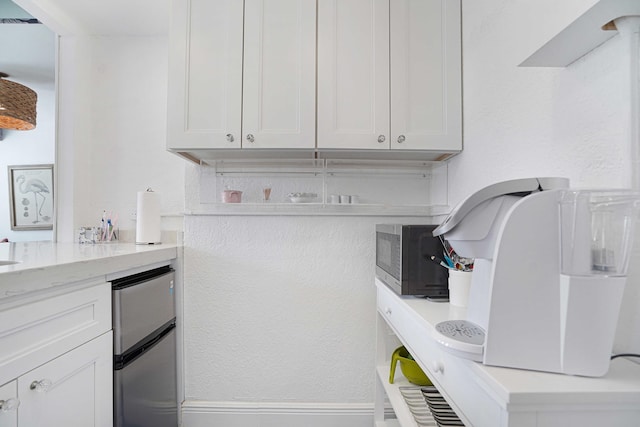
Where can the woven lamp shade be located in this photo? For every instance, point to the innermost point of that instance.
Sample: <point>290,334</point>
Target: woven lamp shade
<point>17,106</point>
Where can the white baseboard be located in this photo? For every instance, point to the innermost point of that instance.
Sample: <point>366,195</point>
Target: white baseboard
<point>275,414</point>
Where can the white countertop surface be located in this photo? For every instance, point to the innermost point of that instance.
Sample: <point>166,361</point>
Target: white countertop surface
<point>46,265</point>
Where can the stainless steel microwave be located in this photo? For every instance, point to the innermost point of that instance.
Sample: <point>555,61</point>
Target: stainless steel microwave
<point>403,260</point>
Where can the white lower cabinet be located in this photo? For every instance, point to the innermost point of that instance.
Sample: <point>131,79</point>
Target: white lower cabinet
<point>489,396</point>
<point>9,405</point>
<point>73,390</point>
<point>56,359</point>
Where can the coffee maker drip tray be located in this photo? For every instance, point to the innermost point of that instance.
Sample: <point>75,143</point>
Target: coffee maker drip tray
<point>462,338</point>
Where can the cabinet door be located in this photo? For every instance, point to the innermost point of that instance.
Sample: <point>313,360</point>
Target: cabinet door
<point>426,99</point>
<point>279,74</point>
<point>205,74</point>
<point>353,74</point>
<point>8,405</point>
<point>73,390</point>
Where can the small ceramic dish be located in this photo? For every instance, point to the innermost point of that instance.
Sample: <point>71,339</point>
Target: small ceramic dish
<point>302,197</point>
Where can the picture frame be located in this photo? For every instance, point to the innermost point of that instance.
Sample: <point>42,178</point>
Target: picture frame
<point>31,197</point>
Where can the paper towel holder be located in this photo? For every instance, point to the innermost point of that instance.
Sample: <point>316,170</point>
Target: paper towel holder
<point>148,221</point>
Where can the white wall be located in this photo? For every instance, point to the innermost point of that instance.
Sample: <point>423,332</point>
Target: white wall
<point>28,56</point>
<point>34,147</point>
<point>118,86</point>
<point>128,135</point>
<point>279,312</point>
<point>279,308</point>
<point>537,121</point>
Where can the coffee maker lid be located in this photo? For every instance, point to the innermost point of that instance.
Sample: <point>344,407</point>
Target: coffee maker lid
<point>516,187</point>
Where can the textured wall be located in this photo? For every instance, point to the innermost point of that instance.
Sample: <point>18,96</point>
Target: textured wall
<point>537,121</point>
<point>279,308</point>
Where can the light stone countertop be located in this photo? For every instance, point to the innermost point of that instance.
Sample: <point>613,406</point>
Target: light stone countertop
<point>44,266</point>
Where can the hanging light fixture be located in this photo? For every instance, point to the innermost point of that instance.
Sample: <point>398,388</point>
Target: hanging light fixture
<point>17,105</point>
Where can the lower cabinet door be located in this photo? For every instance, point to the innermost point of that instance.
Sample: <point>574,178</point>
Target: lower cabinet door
<point>72,390</point>
<point>9,405</point>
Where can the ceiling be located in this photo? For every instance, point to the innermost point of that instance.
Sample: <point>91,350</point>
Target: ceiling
<point>29,55</point>
<point>100,17</point>
<point>28,50</point>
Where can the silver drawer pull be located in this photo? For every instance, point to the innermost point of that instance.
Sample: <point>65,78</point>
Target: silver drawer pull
<point>230,137</point>
<point>41,386</point>
<point>250,137</point>
<point>401,139</point>
<point>381,139</point>
<point>9,405</point>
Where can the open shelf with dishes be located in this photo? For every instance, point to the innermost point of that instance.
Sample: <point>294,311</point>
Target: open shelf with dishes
<point>322,187</point>
<point>412,405</point>
<point>401,410</point>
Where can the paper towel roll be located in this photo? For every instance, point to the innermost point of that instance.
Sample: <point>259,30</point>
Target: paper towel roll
<point>148,218</point>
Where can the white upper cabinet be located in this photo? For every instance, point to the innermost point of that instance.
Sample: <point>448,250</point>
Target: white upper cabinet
<point>243,75</point>
<point>353,74</point>
<point>205,75</point>
<point>226,93</point>
<point>56,359</point>
<point>426,77</point>
<point>279,105</point>
<point>389,75</point>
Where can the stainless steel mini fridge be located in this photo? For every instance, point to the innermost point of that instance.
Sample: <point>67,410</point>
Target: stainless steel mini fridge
<point>144,345</point>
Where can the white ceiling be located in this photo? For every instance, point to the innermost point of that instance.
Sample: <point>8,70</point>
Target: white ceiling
<point>28,56</point>
<point>28,50</point>
<point>100,17</point>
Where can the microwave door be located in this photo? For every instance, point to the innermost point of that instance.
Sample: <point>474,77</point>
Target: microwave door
<point>388,258</point>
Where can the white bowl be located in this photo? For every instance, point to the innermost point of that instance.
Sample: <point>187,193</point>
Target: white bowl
<point>302,197</point>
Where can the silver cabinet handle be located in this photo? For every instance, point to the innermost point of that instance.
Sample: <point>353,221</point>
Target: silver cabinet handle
<point>41,386</point>
<point>230,137</point>
<point>401,139</point>
<point>381,139</point>
<point>9,405</point>
<point>250,137</point>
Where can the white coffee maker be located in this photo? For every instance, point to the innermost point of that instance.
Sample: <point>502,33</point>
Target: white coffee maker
<point>549,274</point>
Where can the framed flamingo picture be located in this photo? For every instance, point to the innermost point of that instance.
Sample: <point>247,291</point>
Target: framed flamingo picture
<point>31,197</point>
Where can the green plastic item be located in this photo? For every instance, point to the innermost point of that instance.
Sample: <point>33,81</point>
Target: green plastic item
<point>409,367</point>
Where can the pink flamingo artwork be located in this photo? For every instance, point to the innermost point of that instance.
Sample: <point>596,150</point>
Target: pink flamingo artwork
<point>38,188</point>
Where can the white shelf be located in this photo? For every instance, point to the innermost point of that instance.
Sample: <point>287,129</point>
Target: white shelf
<point>383,188</point>
<point>403,414</point>
<point>316,209</point>
<point>583,35</point>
